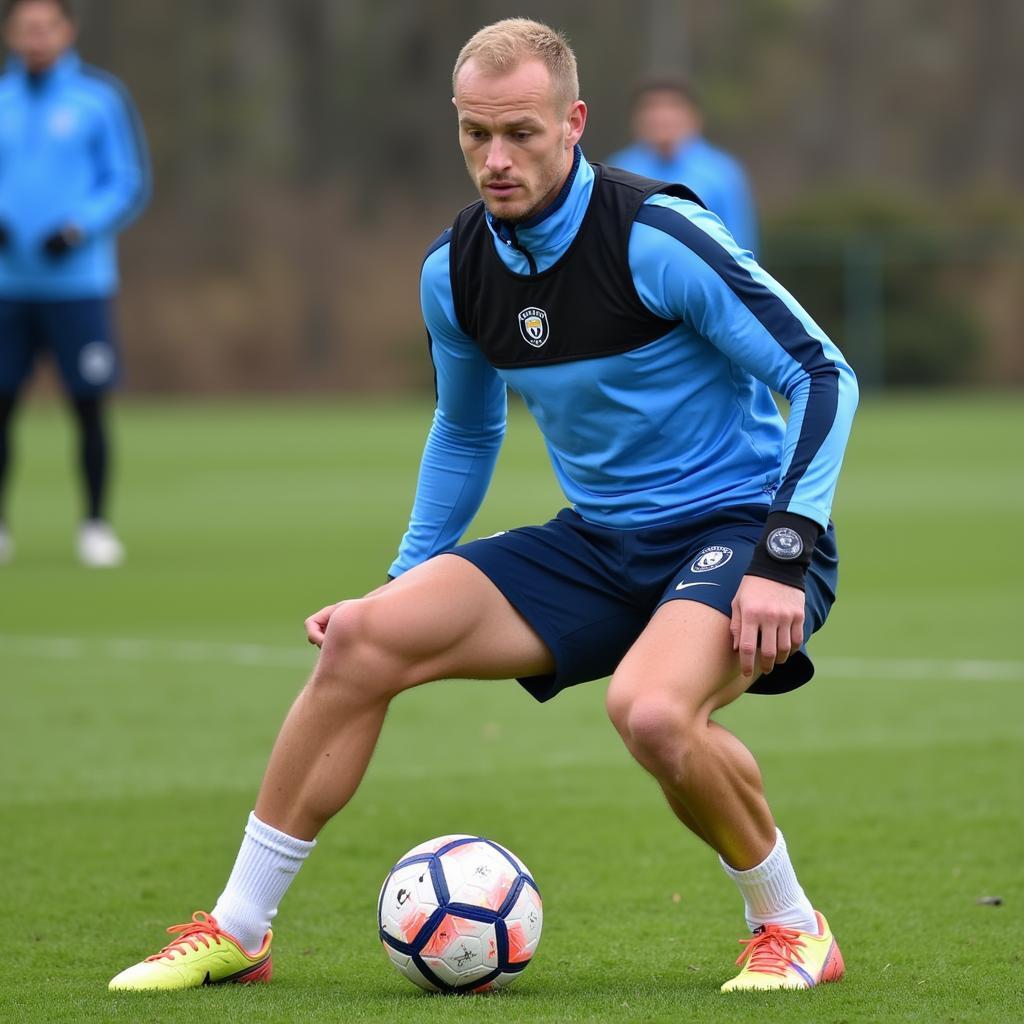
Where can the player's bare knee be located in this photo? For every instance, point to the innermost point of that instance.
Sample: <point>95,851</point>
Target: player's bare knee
<point>363,656</point>
<point>653,723</point>
<point>617,701</point>
<point>656,726</point>
<point>353,664</point>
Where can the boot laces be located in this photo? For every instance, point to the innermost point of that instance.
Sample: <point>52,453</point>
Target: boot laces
<point>771,950</point>
<point>202,928</point>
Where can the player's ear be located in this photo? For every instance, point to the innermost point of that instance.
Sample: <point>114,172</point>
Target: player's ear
<point>575,122</point>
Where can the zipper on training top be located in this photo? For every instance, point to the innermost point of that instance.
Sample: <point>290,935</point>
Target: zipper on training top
<point>513,241</point>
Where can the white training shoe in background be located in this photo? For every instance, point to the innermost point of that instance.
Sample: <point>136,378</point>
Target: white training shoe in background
<point>98,546</point>
<point>6,545</point>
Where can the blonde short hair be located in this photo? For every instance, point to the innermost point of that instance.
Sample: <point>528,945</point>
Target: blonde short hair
<point>503,46</point>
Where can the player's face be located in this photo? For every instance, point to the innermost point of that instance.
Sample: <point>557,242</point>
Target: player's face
<point>517,139</point>
<point>663,119</point>
<point>38,32</point>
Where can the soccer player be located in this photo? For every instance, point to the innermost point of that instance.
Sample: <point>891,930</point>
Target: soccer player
<point>696,556</point>
<point>669,145</point>
<point>73,172</point>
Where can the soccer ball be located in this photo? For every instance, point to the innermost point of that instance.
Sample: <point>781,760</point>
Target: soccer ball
<point>460,914</point>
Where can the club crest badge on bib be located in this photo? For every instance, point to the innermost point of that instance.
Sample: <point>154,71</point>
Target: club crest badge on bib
<point>533,326</point>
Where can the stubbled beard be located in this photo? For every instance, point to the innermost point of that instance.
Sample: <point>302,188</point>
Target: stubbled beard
<point>544,188</point>
<point>518,218</point>
<point>514,218</point>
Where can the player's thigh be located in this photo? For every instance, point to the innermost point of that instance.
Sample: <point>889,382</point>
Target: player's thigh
<point>446,619</point>
<point>82,337</point>
<point>682,663</point>
<point>17,348</point>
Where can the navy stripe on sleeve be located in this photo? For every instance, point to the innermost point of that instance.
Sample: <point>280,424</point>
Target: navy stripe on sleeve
<point>780,322</point>
<point>141,197</point>
<point>442,239</point>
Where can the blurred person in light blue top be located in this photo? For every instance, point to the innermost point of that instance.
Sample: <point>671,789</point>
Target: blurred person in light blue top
<point>669,146</point>
<point>74,171</point>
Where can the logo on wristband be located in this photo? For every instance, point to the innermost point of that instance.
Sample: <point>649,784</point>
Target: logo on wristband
<point>785,544</point>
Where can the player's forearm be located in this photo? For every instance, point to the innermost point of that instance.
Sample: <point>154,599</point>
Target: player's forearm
<point>455,473</point>
<point>817,430</point>
<point>112,209</point>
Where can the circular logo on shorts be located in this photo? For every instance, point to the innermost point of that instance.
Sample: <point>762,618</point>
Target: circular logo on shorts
<point>96,362</point>
<point>785,544</point>
<point>711,557</point>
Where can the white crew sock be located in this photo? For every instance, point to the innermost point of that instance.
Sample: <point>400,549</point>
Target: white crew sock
<point>772,894</point>
<point>267,862</point>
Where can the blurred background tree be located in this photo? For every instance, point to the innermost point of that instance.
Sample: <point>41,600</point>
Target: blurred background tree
<point>305,155</point>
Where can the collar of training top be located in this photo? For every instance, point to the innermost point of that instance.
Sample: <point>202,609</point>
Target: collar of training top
<point>67,63</point>
<point>508,232</point>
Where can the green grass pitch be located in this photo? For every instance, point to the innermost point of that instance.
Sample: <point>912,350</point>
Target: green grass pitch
<point>137,708</point>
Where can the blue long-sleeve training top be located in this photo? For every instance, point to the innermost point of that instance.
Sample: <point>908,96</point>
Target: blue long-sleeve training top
<point>678,428</point>
<point>72,151</point>
<point>713,174</point>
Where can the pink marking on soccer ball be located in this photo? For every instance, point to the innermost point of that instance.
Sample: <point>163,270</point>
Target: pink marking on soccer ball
<point>499,891</point>
<point>518,944</point>
<point>442,937</point>
<point>465,850</point>
<point>412,922</point>
<point>463,926</point>
<point>433,845</point>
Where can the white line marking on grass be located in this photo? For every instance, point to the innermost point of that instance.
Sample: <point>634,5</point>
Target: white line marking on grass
<point>268,656</point>
<point>141,649</point>
<point>924,669</point>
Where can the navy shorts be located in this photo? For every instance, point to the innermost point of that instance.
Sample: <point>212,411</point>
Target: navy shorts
<point>78,333</point>
<point>589,591</point>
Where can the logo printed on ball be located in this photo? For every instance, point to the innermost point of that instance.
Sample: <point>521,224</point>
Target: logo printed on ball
<point>533,326</point>
<point>712,557</point>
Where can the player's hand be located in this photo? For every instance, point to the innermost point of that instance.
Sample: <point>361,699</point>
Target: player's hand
<point>768,616</point>
<point>61,242</point>
<point>316,624</point>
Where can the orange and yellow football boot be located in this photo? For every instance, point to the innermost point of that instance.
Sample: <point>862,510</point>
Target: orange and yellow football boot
<point>201,954</point>
<point>778,957</point>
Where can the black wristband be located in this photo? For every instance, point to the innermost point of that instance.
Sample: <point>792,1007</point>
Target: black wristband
<point>784,551</point>
<point>62,242</point>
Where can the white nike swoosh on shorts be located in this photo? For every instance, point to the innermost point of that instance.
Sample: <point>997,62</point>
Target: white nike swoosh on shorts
<point>698,583</point>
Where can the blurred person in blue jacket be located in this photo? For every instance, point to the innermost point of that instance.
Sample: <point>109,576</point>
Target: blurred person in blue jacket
<point>669,146</point>
<point>73,172</point>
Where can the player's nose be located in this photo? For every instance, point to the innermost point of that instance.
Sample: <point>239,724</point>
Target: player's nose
<point>497,157</point>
